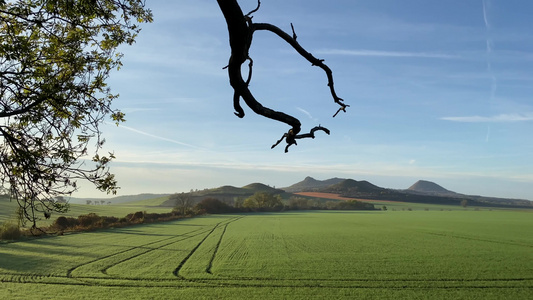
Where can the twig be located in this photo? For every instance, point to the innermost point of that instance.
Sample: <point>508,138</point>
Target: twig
<point>254,10</point>
<point>291,138</point>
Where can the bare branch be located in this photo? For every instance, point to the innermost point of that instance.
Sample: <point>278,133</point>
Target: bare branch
<point>294,36</point>
<point>241,30</point>
<point>313,60</point>
<point>254,10</point>
<point>291,138</point>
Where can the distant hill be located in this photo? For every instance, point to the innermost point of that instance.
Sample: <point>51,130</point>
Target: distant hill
<point>309,184</point>
<point>259,187</point>
<point>118,199</point>
<point>228,193</point>
<point>428,187</point>
<point>422,191</point>
<point>353,186</point>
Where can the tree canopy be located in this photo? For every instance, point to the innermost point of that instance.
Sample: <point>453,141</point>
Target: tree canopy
<point>55,58</point>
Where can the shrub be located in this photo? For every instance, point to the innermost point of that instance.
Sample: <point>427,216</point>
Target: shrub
<point>213,206</point>
<point>137,217</point>
<point>107,221</point>
<point>88,221</point>
<point>63,223</point>
<point>10,231</point>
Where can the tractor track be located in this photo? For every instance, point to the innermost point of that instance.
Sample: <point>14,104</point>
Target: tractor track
<point>247,282</point>
<point>180,237</point>
<point>182,263</point>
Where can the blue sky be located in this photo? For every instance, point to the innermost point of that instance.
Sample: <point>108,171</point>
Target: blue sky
<point>438,90</point>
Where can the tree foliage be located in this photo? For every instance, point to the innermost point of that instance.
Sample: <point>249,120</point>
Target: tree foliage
<point>263,201</point>
<point>182,202</point>
<point>55,58</point>
<point>213,206</point>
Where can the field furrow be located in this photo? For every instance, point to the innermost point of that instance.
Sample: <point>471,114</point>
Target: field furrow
<point>324,254</point>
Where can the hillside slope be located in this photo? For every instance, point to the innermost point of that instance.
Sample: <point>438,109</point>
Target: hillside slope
<point>428,187</point>
<point>228,193</point>
<point>309,184</point>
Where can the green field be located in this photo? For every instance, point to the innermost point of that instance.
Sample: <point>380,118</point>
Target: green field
<point>289,255</point>
<point>8,209</point>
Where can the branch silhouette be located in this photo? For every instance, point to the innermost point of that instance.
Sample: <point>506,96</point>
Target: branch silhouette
<point>241,29</point>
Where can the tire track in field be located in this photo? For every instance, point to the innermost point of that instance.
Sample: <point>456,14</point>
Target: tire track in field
<point>210,264</point>
<point>478,239</point>
<point>69,272</point>
<point>257,282</point>
<point>182,238</point>
<point>182,263</point>
<point>34,278</point>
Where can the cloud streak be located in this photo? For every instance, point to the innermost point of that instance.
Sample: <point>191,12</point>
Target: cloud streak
<point>362,52</point>
<point>308,114</point>
<point>502,118</point>
<point>159,137</point>
<point>489,46</point>
<point>486,4</point>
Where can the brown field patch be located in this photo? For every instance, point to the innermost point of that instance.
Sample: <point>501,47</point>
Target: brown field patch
<point>338,197</point>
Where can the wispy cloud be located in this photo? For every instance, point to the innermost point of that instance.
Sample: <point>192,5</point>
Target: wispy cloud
<point>486,4</point>
<point>489,47</point>
<point>158,137</point>
<point>308,114</point>
<point>492,119</point>
<point>362,52</point>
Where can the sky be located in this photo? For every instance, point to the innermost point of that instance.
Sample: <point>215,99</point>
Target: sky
<point>438,90</point>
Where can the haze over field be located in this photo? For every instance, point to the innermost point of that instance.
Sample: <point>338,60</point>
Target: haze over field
<point>438,90</point>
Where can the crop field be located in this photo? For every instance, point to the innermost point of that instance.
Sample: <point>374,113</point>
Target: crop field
<point>288,255</point>
<point>8,209</point>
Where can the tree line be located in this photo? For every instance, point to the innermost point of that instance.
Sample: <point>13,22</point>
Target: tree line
<point>261,202</point>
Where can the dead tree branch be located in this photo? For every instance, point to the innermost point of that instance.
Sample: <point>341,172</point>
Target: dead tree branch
<point>241,30</point>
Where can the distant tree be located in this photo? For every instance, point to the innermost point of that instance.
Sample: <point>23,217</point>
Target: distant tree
<point>354,205</point>
<point>263,201</point>
<point>213,206</point>
<point>55,58</point>
<point>305,203</point>
<point>464,203</point>
<point>89,202</point>
<point>384,208</point>
<point>102,202</point>
<point>331,204</point>
<point>238,202</point>
<point>182,202</point>
<point>61,199</point>
<point>298,203</point>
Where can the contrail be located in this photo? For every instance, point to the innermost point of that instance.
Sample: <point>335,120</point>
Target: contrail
<point>485,18</point>
<point>489,46</point>
<point>158,137</point>
<point>306,113</point>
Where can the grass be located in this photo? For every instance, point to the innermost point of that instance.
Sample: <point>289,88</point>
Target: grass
<point>8,209</point>
<point>296,255</point>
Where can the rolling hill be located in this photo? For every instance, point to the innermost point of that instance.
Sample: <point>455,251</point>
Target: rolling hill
<point>309,184</point>
<point>118,199</point>
<point>428,187</point>
<point>353,186</point>
<point>228,193</point>
<point>421,191</point>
